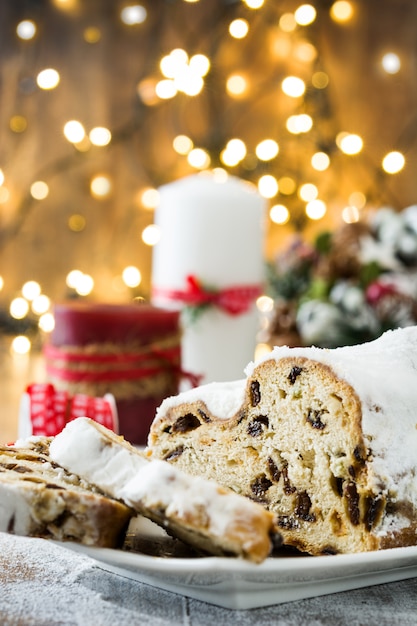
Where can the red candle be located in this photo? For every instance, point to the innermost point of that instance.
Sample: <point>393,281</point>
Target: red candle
<point>131,351</point>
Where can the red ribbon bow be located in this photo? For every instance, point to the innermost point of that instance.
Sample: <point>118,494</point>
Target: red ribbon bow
<point>233,300</point>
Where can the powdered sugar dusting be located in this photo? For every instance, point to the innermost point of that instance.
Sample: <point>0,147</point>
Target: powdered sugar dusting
<point>222,399</point>
<point>24,562</point>
<point>40,557</point>
<point>41,585</point>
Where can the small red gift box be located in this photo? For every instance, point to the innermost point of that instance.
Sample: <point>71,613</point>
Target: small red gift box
<point>130,351</point>
<point>44,411</point>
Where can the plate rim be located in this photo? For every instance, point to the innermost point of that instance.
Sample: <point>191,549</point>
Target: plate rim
<point>238,565</point>
<point>241,585</point>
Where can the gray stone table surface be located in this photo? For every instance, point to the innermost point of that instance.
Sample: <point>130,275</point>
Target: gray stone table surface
<point>43,584</point>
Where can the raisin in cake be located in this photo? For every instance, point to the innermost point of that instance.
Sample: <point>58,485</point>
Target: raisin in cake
<point>40,499</point>
<point>325,439</point>
<point>199,512</point>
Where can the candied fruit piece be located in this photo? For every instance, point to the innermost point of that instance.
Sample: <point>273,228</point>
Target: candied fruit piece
<point>295,372</point>
<point>185,423</point>
<point>257,425</point>
<point>255,393</point>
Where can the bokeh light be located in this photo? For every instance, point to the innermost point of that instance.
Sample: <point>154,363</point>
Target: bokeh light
<point>151,235</point>
<point>31,289</point>
<point>133,14</point>
<point>48,79</point>
<point>131,276</point>
<point>26,29</point>
<point>279,214</point>
<point>393,162</point>
<point>21,345</point>
<point>305,14</point>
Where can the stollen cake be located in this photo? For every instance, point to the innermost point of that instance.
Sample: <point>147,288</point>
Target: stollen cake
<point>40,499</point>
<point>203,514</point>
<point>326,439</point>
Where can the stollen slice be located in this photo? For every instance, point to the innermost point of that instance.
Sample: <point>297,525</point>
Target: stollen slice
<point>38,498</point>
<point>211,518</point>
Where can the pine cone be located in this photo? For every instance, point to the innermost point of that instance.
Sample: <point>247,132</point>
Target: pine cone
<point>283,330</point>
<point>343,260</point>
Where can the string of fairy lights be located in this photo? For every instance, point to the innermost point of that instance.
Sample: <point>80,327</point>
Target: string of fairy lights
<point>182,74</point>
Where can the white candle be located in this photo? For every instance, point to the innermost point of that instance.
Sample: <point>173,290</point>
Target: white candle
<point>212,229</point>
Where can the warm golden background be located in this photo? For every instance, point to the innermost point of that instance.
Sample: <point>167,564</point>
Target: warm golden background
<point>108,62</point>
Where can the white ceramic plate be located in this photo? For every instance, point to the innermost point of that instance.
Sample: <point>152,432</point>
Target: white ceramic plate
<point>237,584</point>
